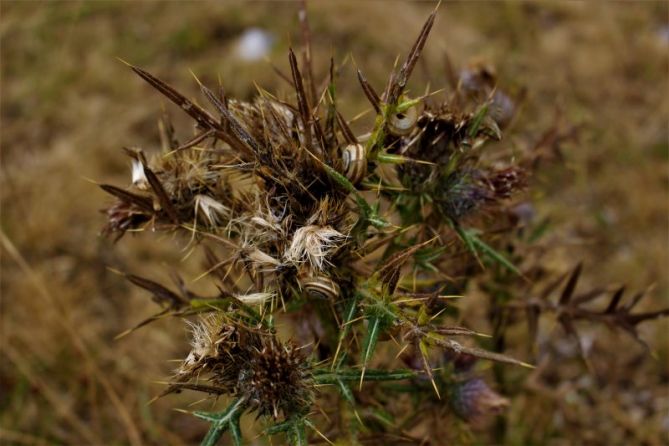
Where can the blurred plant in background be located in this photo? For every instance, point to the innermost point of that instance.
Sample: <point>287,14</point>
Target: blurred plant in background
<point>323,243</point>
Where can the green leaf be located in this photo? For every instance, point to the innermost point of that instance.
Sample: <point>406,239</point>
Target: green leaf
<point>284,426</point>
<point>298,433</point>
<point>236,431</point>
<point>424,257</point>
<point>539,231</point>
<point>325,376</point>
<point>213,435</point>
<point>346,326</point>
<point>478,119</point>
<point>383,416</point>
<point>201,304</point>
<point>346,391</point>
<point>389,158</point>
<point>406,105</point>
<point>366,211</point>
<point>475,244</point>
<point>369,343</point>
<point>222,421</point>
<point>221,304</point>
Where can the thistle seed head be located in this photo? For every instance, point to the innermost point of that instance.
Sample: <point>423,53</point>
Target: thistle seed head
<point>276,379</point>
<point>207,342</point>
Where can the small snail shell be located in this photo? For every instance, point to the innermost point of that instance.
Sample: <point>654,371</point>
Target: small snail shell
<point>401,124</point>
<point>355,162</point>
<point>320,287</point>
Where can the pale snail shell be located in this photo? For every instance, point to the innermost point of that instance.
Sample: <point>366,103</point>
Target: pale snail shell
<point>401,124</point>
<point>355,162</point>
<point>320,287</point>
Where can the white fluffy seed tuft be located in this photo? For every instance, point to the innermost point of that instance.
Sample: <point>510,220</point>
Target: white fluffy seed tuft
<point>210,209</point>
<point>313,244</point>
<point>255,298</point>
<point>138,176</point>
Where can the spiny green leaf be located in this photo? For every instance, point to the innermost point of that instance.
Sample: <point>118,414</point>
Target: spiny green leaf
<point>284,426</point>
<point>220,422</point>
<point>346,325</point>
<point>236,431</point>
<point>298,433</point>
<point>345,391</point>
<point>367,212</point>
<point>475,244</point>
<point>369,343</point>
<point>324,376</point>
<point>478,119</point>
<point>213,435</point>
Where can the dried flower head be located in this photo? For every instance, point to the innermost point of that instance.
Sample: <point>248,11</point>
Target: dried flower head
<point>271,376</point>
<point>275,380</point>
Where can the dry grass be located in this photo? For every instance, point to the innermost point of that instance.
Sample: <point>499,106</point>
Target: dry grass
<point>68,106</point>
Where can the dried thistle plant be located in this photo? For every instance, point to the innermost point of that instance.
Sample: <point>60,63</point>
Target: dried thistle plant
<point>346,241</point>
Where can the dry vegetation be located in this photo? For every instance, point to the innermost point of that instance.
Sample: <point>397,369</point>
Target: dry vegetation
<point>594,81</point>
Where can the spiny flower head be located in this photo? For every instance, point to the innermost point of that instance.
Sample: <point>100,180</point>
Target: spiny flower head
<point>273,377</point>
<point>276,379</point>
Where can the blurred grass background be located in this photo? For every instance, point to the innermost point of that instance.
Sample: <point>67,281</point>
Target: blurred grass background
<point>68,106</point>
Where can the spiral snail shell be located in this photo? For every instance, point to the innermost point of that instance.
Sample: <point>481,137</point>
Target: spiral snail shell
<point>401,124</point>
<point>320,287</point>
<point>355,162</point>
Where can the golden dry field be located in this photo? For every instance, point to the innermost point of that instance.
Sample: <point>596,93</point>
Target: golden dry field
<point>592,84</point>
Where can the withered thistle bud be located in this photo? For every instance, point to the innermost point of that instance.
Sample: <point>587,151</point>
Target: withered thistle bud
<point>461,193</point>
<point>121,217</point>
<point>507,181</point>
<point>474,401</point>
